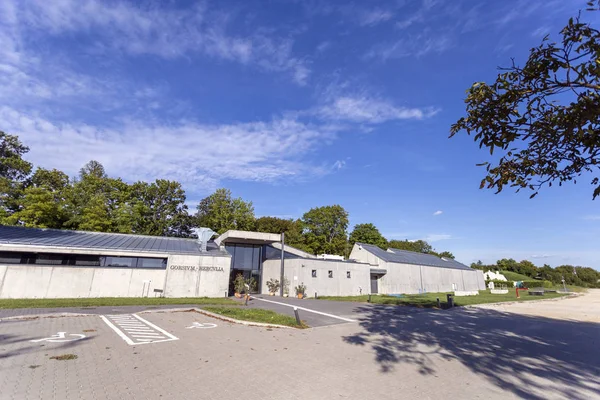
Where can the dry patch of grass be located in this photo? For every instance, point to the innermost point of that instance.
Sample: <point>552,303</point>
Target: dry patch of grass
<point>64,357</point>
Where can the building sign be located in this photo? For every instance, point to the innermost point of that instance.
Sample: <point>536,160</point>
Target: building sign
<point>196,268</point>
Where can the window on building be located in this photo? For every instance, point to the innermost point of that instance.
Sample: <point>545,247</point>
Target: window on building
<point>330,274</point>
<point>348,275</point>
<point>144,262</point>
<point>11,258</point>
<point>112,261</point>
<point>314,273</point>
<point>84,260</point>
<point>81,260</point>
<point>50,259</point>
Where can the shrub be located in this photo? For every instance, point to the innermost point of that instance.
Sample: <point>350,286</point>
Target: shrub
<point>537,284</point>
<point>273,285</point>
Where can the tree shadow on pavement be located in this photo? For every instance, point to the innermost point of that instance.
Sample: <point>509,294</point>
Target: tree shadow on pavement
<point>532,357</point>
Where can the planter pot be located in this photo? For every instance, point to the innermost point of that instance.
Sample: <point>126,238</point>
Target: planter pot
<point>271,294</point>
<point>239,296</point>
<point>300,295</point>
<point>285,295</point>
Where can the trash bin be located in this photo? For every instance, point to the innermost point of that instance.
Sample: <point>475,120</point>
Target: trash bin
<point>450,299</point>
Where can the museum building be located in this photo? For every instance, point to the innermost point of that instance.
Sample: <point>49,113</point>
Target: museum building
<point>48,263</point>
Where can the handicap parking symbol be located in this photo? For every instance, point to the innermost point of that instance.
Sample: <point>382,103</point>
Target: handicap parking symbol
<point>60,337</point>
<point>202,325</point>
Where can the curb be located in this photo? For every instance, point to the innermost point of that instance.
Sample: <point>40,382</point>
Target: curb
<point>502,303</point>
<point>48,315</point>
<point>221,317</point>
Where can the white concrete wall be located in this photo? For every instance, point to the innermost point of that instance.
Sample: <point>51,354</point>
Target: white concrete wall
<point>409,278</point>
<point>197,281</point>
<point>43,281</point>
<point>361,255</point>
<point>299,271</point>
<point>36,281</point>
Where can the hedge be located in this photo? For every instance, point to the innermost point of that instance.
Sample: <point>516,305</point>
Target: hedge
<point>537,284</point>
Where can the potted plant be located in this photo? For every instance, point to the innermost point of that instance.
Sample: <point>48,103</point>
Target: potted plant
<point>286,287</point>
<point>238,285</point>
<point>301,290</point>
<point>273,285</point>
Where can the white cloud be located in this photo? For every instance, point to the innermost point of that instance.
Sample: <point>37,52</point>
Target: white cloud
<point>369,109</point>
<point>438,212</point>
<point>339,164</point>
<point>434,237</point>
<point>197,155</point>
<point>541,256</point>
<point>373,17</point>
<point>418,45</point>
<point>592,217</point>
<point>136,30</point>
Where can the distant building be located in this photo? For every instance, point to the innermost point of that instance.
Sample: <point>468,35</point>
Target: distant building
<point>494,276</point>
<point>330,257</point>
<point>49,263</point>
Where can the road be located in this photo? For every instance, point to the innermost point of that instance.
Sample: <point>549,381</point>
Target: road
<point>389,352</point>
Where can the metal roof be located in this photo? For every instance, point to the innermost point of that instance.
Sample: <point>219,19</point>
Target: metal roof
<point>411,257</point>
<point>101,241</point>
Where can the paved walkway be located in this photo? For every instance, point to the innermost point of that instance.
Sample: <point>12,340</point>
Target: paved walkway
<point>388,353</point>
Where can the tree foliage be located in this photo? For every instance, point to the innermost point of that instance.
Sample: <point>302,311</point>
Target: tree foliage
<point>543,116</point>
<point>220,212</point>
<point>419,246</point>
<point>325,230</point>
<point>368,234</point>
<point>291,228</point>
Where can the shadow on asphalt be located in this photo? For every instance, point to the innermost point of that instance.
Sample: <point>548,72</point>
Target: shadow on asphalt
<point>506,348</point>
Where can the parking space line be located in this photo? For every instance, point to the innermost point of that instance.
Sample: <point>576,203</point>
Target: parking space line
<point>306,309</point>
<point>136,330</point>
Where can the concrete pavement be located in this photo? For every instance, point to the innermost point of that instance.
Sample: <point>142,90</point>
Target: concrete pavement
<point>388,353</point>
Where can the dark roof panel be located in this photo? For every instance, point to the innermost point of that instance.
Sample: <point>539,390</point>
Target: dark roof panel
<point>97,240</point>
<point>411,257</point>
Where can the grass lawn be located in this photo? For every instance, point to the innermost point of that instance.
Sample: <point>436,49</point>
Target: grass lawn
<point>111,301</point>
<point>428,300</point>
<point>255,315</point>
<point>514,276</point>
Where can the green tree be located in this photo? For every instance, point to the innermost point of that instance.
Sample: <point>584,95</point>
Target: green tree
<point>544,116</point>
<point>99,203</point>
<point>527,268</point>
<point>13,172</point>
<point>446,254</point>
<point>43,204</point>
<point>419,246</point>
<point>291,228</point>
<point>159,209</point>
<point>220,212</point>
<point>368,234</point>
<point>325,230</point>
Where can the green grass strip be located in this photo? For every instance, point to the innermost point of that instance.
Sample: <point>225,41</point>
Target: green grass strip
<point>255,315</point>
<point>429,300</point>
<point>112,301</point>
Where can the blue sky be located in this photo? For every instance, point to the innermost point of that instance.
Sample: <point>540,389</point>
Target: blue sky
<point>293,104</point>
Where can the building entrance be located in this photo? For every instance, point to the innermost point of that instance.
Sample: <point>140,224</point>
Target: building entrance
<point>246,260</point>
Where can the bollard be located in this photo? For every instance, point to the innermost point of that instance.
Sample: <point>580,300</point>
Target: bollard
<point>315,295</point>
<point>439,304</point>
<point>368,301</point>
<point>450,298</point>
<point>247,298</point>
<point>297,316</point>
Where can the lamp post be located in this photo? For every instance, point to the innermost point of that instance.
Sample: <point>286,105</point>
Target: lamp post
<point>282,263</point>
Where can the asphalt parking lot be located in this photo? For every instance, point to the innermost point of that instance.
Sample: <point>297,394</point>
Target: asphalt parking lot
<point>389,352</point>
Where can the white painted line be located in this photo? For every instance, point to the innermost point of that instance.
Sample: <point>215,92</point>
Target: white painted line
<point>136,330</point>
<point>155,327</point>
<point>306,309</point>
<point>114,328</point>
